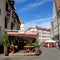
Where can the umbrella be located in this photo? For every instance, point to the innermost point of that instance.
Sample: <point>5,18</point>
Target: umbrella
<point>50,41</point>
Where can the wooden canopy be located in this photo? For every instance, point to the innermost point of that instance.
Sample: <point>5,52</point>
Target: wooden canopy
<point>23,36</point>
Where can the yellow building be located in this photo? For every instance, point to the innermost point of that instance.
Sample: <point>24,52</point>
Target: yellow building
<point>21,25</point>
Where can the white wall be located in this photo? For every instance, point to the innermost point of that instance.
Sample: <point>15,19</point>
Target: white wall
<point>44,35</point>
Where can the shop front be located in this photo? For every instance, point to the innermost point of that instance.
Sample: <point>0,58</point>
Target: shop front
<point>22,43</point>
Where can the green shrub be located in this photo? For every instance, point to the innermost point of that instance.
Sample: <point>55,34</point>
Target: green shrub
<point>33,44</point>
<point>5,40</point>
<point>29,43</point>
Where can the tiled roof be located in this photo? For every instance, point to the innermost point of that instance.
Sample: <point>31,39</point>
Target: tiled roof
<point>57,2</point>
<point>41,28</point>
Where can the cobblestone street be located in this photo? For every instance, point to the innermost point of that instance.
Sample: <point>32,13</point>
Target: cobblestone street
<point>47,54</point>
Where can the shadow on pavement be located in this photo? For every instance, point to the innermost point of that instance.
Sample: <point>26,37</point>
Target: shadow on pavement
<point>40,52</point>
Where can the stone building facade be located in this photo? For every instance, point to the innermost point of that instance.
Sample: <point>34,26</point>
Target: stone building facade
<point>43,33</point>
<point>8,16</point>
<point>55,24</point>
<point>9,19</point>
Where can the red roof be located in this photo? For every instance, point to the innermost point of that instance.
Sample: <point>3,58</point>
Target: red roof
<point>42,28</point>
<point>26,33</point>
<point>26,36</point>
<point>12,33</point>
<point>33,33</point>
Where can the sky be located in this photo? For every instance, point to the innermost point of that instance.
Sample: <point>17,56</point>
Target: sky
<point>35,12</point>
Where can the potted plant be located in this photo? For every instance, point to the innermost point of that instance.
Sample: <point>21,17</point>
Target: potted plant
<point>5,44</point>
<point>37,50</point>
<point>12,48</point>
<point>36,47</point>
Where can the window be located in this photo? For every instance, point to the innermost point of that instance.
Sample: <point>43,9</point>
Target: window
<point>11,26</point>
<point>0,29</point>
<point>14,21</point>
<point>5,23</point>
<point>18,27</point>
<point>0,11</point>
<point>6,6</point>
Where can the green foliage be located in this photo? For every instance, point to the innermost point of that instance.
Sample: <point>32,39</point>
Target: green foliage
<point>5,40</point>
<point>29,43</point>
<point>33,44</point>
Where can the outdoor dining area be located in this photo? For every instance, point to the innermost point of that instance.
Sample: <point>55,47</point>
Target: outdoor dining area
<point>25,47</point>
<point>28,48</point>
<point>50,43</point>
<point>22,43</point>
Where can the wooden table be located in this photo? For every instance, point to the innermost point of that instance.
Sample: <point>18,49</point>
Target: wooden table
<point>28,48</point>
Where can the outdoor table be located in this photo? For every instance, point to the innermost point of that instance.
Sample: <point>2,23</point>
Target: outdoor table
<point>27,48</point>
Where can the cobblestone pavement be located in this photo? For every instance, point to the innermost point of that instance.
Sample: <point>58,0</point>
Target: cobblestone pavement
<point>47,54</point>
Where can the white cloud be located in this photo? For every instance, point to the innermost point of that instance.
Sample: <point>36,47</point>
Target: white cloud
<point>20,1</point>
<point>35,4</point>
<point>36,16</point>
<point>43,22</point>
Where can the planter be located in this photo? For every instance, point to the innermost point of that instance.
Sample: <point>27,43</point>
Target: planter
<point>6,44</point>
<point>6,51</point>
<point>12,49</point>
<point>37,50</point>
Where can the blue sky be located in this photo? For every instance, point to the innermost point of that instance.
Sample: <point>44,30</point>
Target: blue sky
<point>35,12</point>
